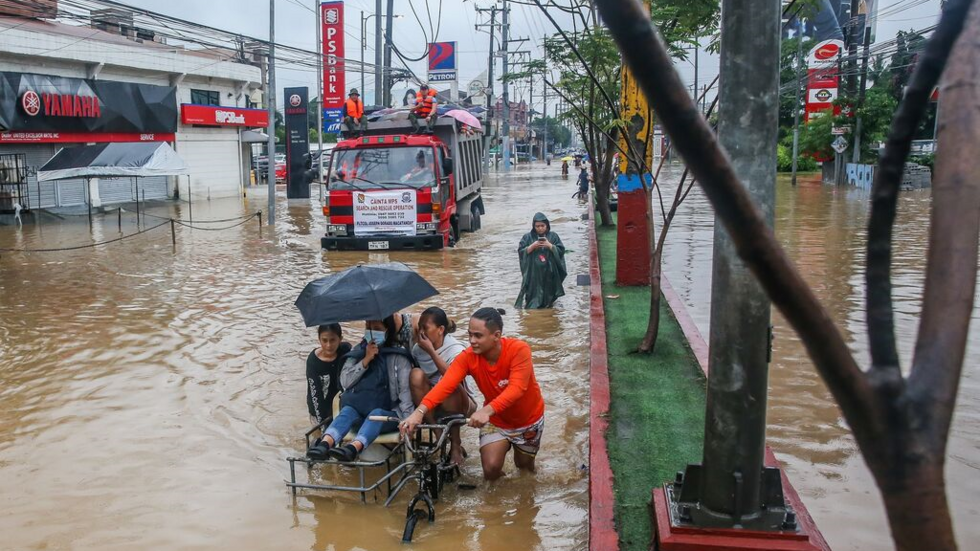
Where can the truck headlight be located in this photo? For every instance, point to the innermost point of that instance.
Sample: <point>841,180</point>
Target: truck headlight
<point>337,229</point>
<point>426,226</point>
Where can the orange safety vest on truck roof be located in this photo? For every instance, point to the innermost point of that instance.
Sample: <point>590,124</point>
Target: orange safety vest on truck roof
<point>355,108</point>
<point>424,104</point>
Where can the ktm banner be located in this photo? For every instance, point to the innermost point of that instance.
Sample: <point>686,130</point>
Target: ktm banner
<point>332,50</point>
<point>40,104</point>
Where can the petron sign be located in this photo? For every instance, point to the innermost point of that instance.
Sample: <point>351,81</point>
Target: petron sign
<point>213,115</point>
<point>43,108</point>
<point>822,77</point>
<point>332,50</point>
<point>442,62</point>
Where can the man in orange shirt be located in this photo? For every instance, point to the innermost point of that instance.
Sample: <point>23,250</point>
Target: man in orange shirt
<point>513,413</point>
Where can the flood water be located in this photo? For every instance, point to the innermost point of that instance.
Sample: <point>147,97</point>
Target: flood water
<point>823,230</point>
<point>149,395</point>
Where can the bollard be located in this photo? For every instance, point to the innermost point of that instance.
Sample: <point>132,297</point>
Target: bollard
<point>119,218</point>
<point>173,232</point>
<point>260,222</point>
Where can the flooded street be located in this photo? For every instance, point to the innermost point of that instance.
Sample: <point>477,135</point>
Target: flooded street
<point>150,395</point>
<point>823,229</point>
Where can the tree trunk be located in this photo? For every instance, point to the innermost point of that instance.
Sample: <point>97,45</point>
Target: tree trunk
<point>649,342</point>
<point>604,180</point>
<point>918,512</point>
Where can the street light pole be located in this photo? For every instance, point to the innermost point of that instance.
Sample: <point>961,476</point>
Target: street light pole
<point>364,20</point>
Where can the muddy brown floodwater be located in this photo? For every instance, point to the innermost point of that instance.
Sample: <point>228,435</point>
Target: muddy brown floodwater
<point>823,229</point>
<point>149,396</point>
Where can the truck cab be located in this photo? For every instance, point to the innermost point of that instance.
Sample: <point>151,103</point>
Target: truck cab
<point>392,190</point>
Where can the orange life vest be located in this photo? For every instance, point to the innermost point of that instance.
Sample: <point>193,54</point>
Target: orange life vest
<point>355,108</point>
<point>423,105</point>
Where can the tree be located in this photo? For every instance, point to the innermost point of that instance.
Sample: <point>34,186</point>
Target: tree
<point>901,422</point>
<point>558,134</point>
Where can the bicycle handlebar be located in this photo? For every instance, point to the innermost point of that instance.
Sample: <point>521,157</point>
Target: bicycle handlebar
<point>408,440</point>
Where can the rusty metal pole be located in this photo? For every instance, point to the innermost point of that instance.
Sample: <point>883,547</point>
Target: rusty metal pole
<point>733,486</point>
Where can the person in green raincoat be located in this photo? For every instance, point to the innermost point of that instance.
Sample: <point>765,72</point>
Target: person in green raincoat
<point>542,257</point>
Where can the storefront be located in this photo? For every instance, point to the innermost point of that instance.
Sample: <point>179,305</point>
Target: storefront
<point>39,114</point>
<point>210,139</point>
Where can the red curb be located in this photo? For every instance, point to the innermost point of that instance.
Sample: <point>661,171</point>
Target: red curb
<point>688,327</point>
<point>602,504</point>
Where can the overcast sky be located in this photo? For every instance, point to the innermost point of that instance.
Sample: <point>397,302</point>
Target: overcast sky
<point>295,25</point>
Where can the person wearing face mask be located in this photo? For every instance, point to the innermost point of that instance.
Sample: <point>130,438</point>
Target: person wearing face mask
<point>434,352</point>
<point>375,379</point>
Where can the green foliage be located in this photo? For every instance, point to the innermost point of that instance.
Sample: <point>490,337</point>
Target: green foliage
<point>790,64</point>
<point>928,159</point>
<point>908,45</point>
<point>557,133</point>
<point>784,158</point>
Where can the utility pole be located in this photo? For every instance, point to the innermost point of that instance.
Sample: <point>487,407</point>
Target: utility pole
<point>270,95</point>
<point>378,78</point>
<point>488,118</point>
<point>696,72</point>
<point>389,19</point>
<point>854,27</point>
<point>796,106</point>
<point>319,87</point>
<point>544,109</point>
<point>505,36</point>
<point>732,488</point>
<point>856,155</point>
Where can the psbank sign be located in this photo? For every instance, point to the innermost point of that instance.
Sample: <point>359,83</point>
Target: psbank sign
<point>332,50</point>
<point>213,115</point>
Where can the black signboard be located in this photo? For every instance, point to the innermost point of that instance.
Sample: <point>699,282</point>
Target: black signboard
<point>297,143</point>
<point>44,103</point>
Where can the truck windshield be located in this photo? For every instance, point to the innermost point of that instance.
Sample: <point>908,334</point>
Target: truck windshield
<point>386,167</point>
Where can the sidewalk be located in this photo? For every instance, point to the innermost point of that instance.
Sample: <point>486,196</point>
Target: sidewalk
<point>656,414</point>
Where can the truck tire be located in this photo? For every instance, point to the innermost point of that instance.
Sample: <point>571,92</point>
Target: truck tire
<point>475,224</point>
<point>453,231</point>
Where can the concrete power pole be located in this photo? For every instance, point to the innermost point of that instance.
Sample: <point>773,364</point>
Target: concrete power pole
<point>389,19</point>
<point>271,104</point>
<point>732,481</point>
<point>378,75</point>
<point>505,36</point>
<point>544,109</point>
<point>796,106</point>
<point>488,119</point>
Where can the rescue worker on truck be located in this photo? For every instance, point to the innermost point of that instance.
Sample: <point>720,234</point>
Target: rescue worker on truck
<point>425,108</point>
<point>353,114</point>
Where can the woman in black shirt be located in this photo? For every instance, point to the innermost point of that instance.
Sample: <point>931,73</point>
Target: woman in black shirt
<point>323,372</point>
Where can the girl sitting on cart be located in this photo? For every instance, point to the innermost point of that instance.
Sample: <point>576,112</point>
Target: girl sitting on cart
<point>375,378</point>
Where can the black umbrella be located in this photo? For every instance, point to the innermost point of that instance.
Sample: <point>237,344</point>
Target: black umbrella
<point>366,292</point>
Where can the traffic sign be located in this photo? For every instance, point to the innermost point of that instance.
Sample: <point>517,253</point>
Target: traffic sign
<point>839,130</point>
<point>840,144</point>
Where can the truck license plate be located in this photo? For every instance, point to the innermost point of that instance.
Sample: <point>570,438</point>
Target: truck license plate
<point>377,245</point>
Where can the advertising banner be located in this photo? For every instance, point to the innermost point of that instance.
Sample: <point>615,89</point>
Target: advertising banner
<point>389,212</point>
<point>41,104</point>
<point>442,62</point>
<point>297,142</point>
<point>332,50</point>
<point>213,115</point>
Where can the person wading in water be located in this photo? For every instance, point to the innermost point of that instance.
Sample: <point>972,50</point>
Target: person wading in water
<point>513,412</point>
<point>542,257</point>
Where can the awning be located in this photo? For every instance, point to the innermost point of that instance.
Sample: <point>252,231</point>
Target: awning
<point>254,136</point>
<point>113,159</point>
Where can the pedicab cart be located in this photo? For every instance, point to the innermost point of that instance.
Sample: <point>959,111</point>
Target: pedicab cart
<point>391,462</point>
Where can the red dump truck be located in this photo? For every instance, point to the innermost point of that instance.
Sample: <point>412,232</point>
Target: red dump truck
<point>392,190</point>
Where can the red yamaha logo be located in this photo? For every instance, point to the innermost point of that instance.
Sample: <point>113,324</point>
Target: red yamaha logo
<point>31,103</point>
<point>295,100</point>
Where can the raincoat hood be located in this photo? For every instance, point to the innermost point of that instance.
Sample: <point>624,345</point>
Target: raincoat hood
<point>540,217</point>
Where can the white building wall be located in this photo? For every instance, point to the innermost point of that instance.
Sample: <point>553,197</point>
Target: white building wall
<point>213,154</point>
